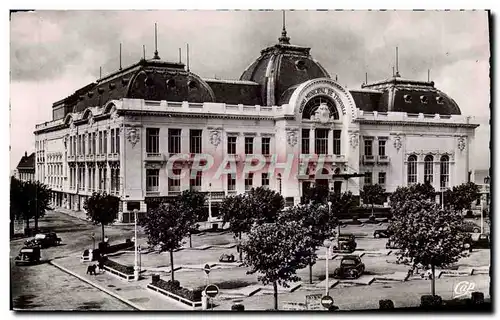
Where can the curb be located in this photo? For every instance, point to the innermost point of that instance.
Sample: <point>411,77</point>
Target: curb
<point>114,295</point>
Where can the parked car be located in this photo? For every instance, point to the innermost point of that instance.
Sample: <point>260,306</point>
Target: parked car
<point>28,255</point>
<point>391,245</point>
<point>44,240</point>
<point>477,241</point>
<point>382,233</point>
<point>226,257</point>
<point>350,267</point>
<point>469,226</point>
<point>346,242</point>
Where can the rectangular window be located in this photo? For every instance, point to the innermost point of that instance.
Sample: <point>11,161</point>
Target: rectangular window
<point>248,145</point>
<point>83,145</point>
<point>231,145</point>
<point>79,144</point>
<point>112,140</point>
<point>381,148</point>
<point>265,179</point>
<point>368,177</point>
<point>321,141</point>
<point>248,181</point>
<point>105,141</point>
<point>93,142</point>
<point>195,180</point>
<point>152,140</point>
<point>104,178</point>
<point>368,147</point>
<point>152,180</point>
<point>231,182</point>
<point>336,141</point>
<point>100,179</point>
<point>195,141</point>
<point>174,183</point>
<point>174,140</point>
<point>381,178</point>
<point>100,142</point>
<point>266,145</point>
<point>305,141</point>
<point>117,140</point>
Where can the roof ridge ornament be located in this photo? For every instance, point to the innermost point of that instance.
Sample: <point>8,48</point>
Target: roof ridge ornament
<point>284,39</point>
<point>156,56</point>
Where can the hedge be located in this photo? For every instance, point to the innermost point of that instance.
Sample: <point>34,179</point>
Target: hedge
<point>386,304</point>
<point>129,270</point>
<point>431,301</point>
<point>175,288</point>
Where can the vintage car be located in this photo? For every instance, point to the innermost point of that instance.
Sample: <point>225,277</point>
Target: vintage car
<point>350,267</point>
<point>477,241</point>
<point>44,240</point>
<point>471,227</point>
<point>226,258</point>
<point>346,242</point>
<point>382,233</point>
<point>391,245</point>
<point>28,255</point>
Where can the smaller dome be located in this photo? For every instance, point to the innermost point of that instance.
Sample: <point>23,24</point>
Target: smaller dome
<point>404,95</point>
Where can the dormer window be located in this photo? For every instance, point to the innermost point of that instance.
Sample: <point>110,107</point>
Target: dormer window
<point>407,98</point>
<point>171,83</point>
<point>192,84</point>
<point>300,64</point>
<point>111,86</point>
<point>424,99</point>
<point>100,90</point>
<point>90,94</point>
<point>440,100</point>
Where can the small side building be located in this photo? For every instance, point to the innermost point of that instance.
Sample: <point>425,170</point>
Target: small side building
<point>25,170</point>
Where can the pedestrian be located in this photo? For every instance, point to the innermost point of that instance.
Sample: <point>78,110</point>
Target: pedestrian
<point>101,264</point>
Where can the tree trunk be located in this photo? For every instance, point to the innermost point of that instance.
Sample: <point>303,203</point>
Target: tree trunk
<point>239,246</point>
<point>372,211</point>
<point>36,221</point>
<point>102,226</point>
<point>27,228</point>
<point>311,271</point>
<point>172,264</point>
<point>433,282</point>
<point>190,243</point>
<point>275,285</point>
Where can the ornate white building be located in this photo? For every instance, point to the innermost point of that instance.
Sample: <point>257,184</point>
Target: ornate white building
<point>286,124</point>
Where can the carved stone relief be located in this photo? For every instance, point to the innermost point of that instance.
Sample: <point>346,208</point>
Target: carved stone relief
<point>215,137</point>
<point>133,136</point>
<point>291,137</point>
<point>397,142</point>
<point>354,139</point>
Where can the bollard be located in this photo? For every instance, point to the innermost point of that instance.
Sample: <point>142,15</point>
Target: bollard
<point>204,300</point>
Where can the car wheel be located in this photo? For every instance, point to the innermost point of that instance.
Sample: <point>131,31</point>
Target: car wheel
<point>353,274</point>
<point>476,230</point>
<point>377,235</point>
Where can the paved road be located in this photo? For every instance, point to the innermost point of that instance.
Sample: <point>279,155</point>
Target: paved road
<point>44,287</point>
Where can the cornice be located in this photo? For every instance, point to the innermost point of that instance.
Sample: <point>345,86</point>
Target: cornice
<point>416,124</point>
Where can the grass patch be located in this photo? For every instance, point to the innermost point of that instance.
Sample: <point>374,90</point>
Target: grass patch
<point>233,284</point>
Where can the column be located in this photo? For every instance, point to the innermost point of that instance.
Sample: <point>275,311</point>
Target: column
<point>311,141</point>
<point>108,178</point>
<point>330,141</point>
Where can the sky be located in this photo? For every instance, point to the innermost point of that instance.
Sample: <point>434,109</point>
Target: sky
<point>53,53</point>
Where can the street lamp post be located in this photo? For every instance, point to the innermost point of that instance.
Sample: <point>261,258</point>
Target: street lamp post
<point>328,245</point>
<point>209,202</point>
<point>136,267</point>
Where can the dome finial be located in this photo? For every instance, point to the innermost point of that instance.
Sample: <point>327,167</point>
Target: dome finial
<point>284,39</point>
<point>397,63</point>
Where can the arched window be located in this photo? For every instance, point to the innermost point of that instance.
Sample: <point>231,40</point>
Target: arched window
<point>445,172</point>
<point>428,169</point>
<point>412,169</point>
<point>313,104</point>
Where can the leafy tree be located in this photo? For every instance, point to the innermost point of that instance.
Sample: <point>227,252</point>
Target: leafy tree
<point>427,234</point>
<point>102,208</point>
<point>16,200</point>
<point>29,199</point>
<point>417,191</point>
<point>316,194</point>
<point>317,224</point>
<point>166,227</point>
<point>461,197</point>
<point>372,194</point>
<point>264,204</point>
<point>235,211</point>
<point>38,195</point>
<point>193,203</point>
<point>276,251</point>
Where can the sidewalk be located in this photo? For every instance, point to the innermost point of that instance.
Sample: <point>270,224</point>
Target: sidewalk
<point>76,214</point>
<point>132,293</point>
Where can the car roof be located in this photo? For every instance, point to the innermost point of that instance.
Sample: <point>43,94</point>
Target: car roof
<point>351,256</point>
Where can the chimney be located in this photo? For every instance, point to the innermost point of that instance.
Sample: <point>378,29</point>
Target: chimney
<point>26,153</point>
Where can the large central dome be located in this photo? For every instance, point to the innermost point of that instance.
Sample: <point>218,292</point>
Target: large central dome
<point>280,67</point>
